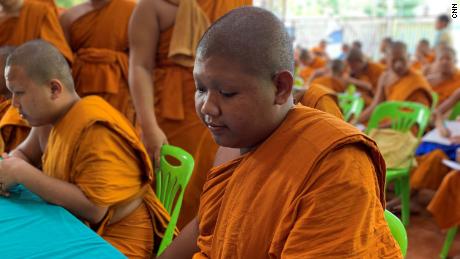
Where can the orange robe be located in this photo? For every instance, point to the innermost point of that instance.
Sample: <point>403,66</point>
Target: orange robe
<point>101,55</point>
<point>445,205</point>
<point>283,200</point>
<point>174,93</point>
<point>418,66</point>
<point>13,129</point>
<point>36,20</point>
<point>447,87</point>
<point>371,74</point>
<point>4,106</point>
<point>331,83</point>
<point>430,171</point>
<point>306,72</point>
<point>94,147</point>
<point>412,87</point>
<point>323,99</point>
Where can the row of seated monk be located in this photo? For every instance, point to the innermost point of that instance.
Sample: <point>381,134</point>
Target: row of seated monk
<point>271,178</point>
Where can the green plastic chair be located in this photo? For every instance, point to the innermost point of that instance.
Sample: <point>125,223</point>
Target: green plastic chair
<point>450,236</point>
<point>434,100</point>
<point>455,112</point>
<point>397,230</point>
<point>402,116</point>
<point>351,106</point>
<point>170,179</point>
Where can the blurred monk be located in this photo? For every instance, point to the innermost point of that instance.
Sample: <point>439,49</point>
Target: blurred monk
<point>423,56</point>
<point>320,50</point>
<point>101,51</point>
<point>384,45</point>
<point>306,184</point>
<point>25,20</point>
<point>94,165</point>
<point>163,37</point>
<point>13,128</point>
<point>445,206</point>
<point>309,64</point>
<point>364,70</point>
<point>399,82</point>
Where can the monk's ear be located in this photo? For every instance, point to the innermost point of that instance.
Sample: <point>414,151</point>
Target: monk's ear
<point>56,88</point>
<point>283,82</point>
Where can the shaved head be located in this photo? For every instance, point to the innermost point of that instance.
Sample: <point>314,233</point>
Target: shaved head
<point>355,55</point>
<point>304,55</point>
<point>398,46</point>
<point>5,51</point>
<point>42,62</point>
<point>337,67</point>
<point>251,37</point>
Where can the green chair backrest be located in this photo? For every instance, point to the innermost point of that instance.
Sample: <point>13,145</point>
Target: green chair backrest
<point>351,106</point>
<point>170,179</point>
<point>434,100</point>
<point>397,230</point>
<point>455,112</point>
<point>401,115</point>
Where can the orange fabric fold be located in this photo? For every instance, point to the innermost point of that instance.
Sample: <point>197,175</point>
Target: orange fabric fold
<point>417,65</point>
<point>4,106</point>
<point>174,92</point>
<point>447,87</point>
<point>13,128</point>
<point>323,99</point>
<point>306,72</point>
<point>323,201</point>
<point>331,83</point>
<point>411,87</point>
<point>445,205</point>
<point>94,147</point>
<point>430,171</point>
<point>36,20</point>
<point>101,59</point>
<point>371,74</point>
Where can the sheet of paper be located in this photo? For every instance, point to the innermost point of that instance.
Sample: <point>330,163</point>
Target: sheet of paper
<point>434,136</point>
<point>452,164</point>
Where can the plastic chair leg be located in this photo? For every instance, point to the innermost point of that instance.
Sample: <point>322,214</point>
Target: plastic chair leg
<point>448,242</point>
<point>405,200</point>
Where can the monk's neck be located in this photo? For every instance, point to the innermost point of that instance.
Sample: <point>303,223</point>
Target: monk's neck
<point>13,9</point>
<point>66,108</point>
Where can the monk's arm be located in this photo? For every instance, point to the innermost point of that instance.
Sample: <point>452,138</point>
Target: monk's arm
<point>144,32</point>
<point>185,245</point>
<point>340,213</point>
<point>31,149</point>
<point>378,98</point>
<point>420,97</point>
<point>448,104</point>
<point>360,84</point>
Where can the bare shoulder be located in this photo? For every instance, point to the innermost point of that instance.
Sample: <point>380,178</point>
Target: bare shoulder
<point>72,14</point>
<point>156,11</point>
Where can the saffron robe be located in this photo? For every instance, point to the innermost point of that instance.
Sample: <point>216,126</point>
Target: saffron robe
<point>13,129</point>
<point>445,205</point>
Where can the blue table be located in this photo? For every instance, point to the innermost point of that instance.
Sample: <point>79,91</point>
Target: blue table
<point>31,228</point>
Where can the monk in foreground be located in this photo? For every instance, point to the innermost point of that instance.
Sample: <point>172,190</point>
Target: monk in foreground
<point>293,192</point>
<point>94,165</point>
<point>13,128</point>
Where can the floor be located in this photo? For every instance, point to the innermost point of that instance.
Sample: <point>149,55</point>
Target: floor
<point>426,239</point>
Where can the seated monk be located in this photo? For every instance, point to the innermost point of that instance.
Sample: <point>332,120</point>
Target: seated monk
<point>25,20</point>
<point>444,77</point>
<point>423,56</point>
<point>320,50</point>
<point>364,70</point>
<point>94,164</point>
<point>384,45</point>
<point>307,185</point>
<point>101,51</point>
<point>309,64</point>
<point>13,128</point>
<point>430,170</point>
<point>399,82</point>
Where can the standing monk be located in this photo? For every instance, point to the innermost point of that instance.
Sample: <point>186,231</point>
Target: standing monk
<point>399,82</point>
<point>13,128</point>
<point>25,20</point>
<point>101,50</point>
<point>163,38</point>
<point>94,164</point>
<point>306,185</point>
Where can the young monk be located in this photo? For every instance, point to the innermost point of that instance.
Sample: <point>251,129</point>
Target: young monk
<point>13,128</point>
<point>159,34</point>
<point>399,82</point>
<point>423,56</point>
<point>307,185</point>
<point>24,20</point>
<point>94,165</point>
<point>101,50</point>
<point>364,70</point>
<point>309,64</point>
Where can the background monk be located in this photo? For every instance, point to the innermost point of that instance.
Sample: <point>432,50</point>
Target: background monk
<point>366,71</point>
<point>94,166</point>
<point>399,83</point>
<point>25,20</point>
<point>320,50</point>
<point>165,104</point>
<point>384,45</point>
<point>309,64</point>
<point>281,198</point>
<point>101,50</point>
<point>444,77</point>
<point>423,56</point>
<point>13,128</point>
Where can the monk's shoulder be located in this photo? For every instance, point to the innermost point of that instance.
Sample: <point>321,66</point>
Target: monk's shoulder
<point>72,14</point>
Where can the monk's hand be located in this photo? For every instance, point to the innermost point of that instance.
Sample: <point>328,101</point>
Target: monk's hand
<point>153,140</point>
<point>10,169</point>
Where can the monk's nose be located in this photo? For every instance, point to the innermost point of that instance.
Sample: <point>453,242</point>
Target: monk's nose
<point>209,106</point>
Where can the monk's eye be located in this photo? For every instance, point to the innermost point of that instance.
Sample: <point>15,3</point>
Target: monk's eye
<point>227,94</point>
<point>200,90</point>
